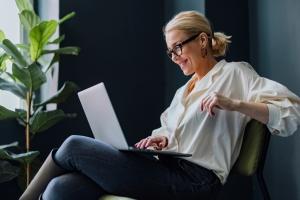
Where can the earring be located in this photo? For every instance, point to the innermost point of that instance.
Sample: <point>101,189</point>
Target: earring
<point>204,52</point>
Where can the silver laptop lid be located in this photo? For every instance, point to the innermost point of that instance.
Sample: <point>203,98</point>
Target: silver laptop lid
<point>101,116</point>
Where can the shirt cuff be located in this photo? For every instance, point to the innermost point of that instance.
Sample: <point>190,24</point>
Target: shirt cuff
<point>160,132</point>
<point>274,117</point>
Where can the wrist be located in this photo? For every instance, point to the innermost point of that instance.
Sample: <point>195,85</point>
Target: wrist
<point>236,105</point>
<point>166,143</point>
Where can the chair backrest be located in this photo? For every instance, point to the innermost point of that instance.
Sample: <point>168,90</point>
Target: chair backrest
<point>253,150</point>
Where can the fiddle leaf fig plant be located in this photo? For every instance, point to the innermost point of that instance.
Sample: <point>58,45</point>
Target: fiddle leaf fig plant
<point>27,74</point>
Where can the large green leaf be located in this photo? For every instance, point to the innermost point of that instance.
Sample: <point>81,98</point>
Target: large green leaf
<point>22,114</point>
<point>3,58</point>
<point>54,60</point>
<point>64,92</point>
<point>2,36</point>
<point>39,37</point>
<point>22,157</point>
<point>6,113</point>
<point>27,157</point>
<point>22,74</point>
<point>13,87</point>
<point>13,144</point>
<point>43,120</point>
<point>24,5</point>
<point>4,154</point>
<point>12,51</point>
<point>7,171</point>
<point>32,77</point>
<point>57,40</point>
<point>64,50</point>
<point>24,47</point>
<point>8,76</point>
<point>38,77</point>
<point>67,17</point>
<point>29,19</point>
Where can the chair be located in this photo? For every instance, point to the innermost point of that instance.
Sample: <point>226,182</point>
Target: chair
<point>112,197</point>
<point>251,160</point>
<point>253,153</point>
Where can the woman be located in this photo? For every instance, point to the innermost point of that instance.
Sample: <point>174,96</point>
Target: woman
<point>206,118</point>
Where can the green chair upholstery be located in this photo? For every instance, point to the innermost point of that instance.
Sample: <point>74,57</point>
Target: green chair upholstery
<point>253,154</point>
<point>112,197</point>
<point>251,159</point>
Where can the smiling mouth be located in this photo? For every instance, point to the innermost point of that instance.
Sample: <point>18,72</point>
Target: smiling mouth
<point>182,64</point>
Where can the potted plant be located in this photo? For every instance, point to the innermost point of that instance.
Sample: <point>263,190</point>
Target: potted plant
<point>28,74</point>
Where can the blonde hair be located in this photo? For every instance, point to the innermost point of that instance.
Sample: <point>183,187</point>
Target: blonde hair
<point>193,22</point>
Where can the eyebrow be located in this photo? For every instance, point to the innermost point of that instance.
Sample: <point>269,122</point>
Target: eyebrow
<point>174,44</point>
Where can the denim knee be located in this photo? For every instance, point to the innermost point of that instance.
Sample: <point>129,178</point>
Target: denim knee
<point>56,189</point>
<point>64,156</point>
<point>73,141</point>
<point>72,186</point>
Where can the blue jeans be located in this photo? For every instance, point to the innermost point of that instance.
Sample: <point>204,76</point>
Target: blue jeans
<point>94,169</point>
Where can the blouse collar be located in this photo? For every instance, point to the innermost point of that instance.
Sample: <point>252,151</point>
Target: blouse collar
<point>203,84</point>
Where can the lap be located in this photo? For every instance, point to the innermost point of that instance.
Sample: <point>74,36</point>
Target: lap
<point>130,174</point>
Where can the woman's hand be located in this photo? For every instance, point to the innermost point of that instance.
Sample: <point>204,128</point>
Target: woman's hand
<point>255,110</point>
<point>157,142</point>
<point>215,100</point>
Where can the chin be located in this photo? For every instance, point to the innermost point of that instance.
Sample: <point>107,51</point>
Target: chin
<point>186,70</point>
<point>187,73</point>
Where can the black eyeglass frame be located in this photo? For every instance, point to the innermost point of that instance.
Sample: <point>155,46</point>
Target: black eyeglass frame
<point>180,45</point>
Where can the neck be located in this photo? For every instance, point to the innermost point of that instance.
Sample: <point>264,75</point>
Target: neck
<point>205,66</point>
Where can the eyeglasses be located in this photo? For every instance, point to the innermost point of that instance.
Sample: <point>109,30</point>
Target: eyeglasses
<point>177,50</point>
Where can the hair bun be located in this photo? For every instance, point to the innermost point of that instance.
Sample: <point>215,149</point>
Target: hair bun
<point>220,43</point>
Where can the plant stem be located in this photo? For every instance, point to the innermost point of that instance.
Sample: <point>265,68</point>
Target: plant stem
<point>27,174</point>
<point>27,133</point>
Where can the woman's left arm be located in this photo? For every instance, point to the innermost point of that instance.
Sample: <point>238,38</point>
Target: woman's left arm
<point>258,111</point>
<point>259,98</point>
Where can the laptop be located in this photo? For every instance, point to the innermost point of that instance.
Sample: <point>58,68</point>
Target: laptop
<point>104,122</point>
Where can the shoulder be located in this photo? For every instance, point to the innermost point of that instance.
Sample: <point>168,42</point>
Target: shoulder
<point>239,66</point>
<point>242,68</point>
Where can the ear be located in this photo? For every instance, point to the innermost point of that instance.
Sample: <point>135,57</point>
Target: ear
<point>203,38</point>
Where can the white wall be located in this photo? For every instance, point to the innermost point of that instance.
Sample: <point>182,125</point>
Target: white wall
<point>50,10</point>
<point>10,25</point>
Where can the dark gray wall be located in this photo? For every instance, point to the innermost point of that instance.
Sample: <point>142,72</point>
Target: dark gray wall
<point>275,50</point>
<point>231,17</point>
<point>174,78</point>
<point>122,45</point>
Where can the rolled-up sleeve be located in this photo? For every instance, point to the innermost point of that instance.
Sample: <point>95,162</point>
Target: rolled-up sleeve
<point>283,105</point>
<point>163,130</point>
<point>274,115</point>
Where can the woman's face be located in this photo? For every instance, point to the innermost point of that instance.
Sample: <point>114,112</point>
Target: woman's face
<point>190,57</point>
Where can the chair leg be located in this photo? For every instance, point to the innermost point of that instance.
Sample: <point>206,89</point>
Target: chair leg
<point>262,185</point>
<point>48,170</point>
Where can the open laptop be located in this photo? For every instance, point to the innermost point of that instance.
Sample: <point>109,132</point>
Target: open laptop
<point>104,123</point>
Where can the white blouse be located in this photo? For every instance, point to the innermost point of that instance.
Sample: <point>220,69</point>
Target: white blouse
<point>215,142</point>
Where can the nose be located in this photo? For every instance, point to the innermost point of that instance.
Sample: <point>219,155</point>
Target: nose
<point>174,57</point>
